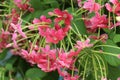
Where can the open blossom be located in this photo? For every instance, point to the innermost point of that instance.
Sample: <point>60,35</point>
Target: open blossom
<point>79,3</point>
<point>83,44</point>
<point>62,15</point>
<point>14,38</point>
<point>54,36</point>
<point>47,59</point>
<point>115,8</point>
<point>18,28</point>
<point>66,75</point>
<point>102,37</point>
<point>91,6</point>
<point>64,60</point>
<point>30,57</point>
<point>4,38</point>
<point>43,20</point>
<point>23,6</point>
<point>98,21</point>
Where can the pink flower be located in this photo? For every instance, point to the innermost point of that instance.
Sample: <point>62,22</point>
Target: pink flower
<point>102,37</point>
<point>91,6</point>
<point>23,6</point>
<point>83,44</point>
<point>24,54</point>
<point>103,78</point>
<point>64,60</point>
<point>18,28</point>
<point>62,15</point>
<point>54,36</point>
<point>118,78</point>
<point>30,57</point>
<point>98,21</point>
<point>114,1</point>
<point>14,38</point>
<point>79,3</point>
<point>43,20</point>
<point>67,75</point>
<point>47,59</point>
<point>17,1</point>
<point>108,7</point>
<point>115,9</point>
<point>4,39</point>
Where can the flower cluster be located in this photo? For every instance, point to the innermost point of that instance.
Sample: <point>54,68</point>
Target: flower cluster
<point>54,43</point>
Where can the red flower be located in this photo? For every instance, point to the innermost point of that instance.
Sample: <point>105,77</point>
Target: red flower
<point>115,9</point>
<point>54,36</point>
<point>91,6</point>
<point>98,21</point>
<point>62,15</point>
<point>67,75</point>
<point>18,28</point>
<point>64,59</point>
<point>4,38</point>
<point>47,59</point>
<point>30,57</point>
<point>43,20</point>
<point>83,44</point>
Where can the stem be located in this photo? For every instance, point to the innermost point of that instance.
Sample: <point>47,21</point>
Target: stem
<point>98,33</point>
<point>78,10</point>
<point>109,19</point>
<point>68,35</point>
<point>94,66</point>
<point>63,45</point>
<point>103,65</point>
<point>99,65</point>
<point>72,5</point>
<point>107,53</point>
<point>108,46</point>
<point>34,42</point>
<point>85,68</point>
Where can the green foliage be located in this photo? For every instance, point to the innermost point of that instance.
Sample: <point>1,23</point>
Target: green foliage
<point>112,60</point>
<point>35,74</point>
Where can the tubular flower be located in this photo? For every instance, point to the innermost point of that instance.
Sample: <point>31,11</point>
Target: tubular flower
<point>4,38</point>
<point>83,44</point>
<point>98,21</point>
<point>62,15</point>
<point>18,28</point>
<point>47,59</point>
<point>91,6</point>
<point>115,8</point>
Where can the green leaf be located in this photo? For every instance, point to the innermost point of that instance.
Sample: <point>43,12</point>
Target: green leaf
<point>9,66</point>
<point>114,72</point>
<point>79,24</point>
<point>36,4</point>
<point>1,24</point>
<point>112,60</point>
<point>33,15</point>
<point>55,4</point>
<point>49,1</point>
<point>2,73</point>
<point>35,73</point>
<point>3,54</point>
<point>45,12</point>
<point>116,38</point>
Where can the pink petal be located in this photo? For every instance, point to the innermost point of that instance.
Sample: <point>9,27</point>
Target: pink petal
<point>108,7</point>
<point>114,1</point>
